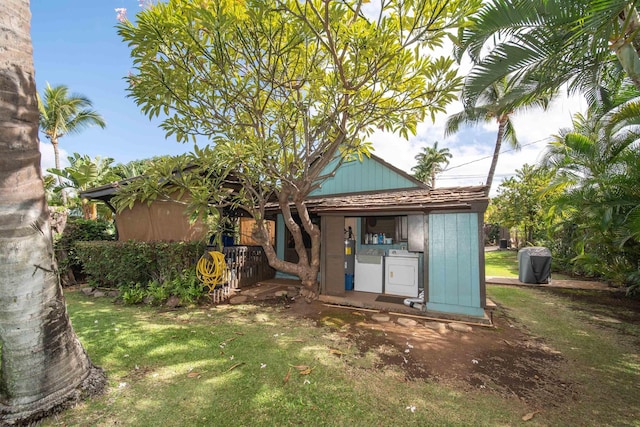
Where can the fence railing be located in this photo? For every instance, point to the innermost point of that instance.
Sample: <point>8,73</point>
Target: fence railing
<point>246,266</point>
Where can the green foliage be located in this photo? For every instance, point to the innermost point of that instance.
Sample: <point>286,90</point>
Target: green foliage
<point>80,230</point>
<point>596,165</point>
<point>280,89</point>
<point>62,113</point>
<point>83,173</point>
<point>551,43</point>
<point>185,286</point>
<point>144,270</point>
<point>133,294</point>
<point>523,203</point>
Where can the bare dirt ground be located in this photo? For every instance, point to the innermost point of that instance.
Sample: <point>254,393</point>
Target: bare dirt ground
<point>504,359</point>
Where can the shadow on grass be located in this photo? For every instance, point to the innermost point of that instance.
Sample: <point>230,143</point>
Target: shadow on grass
<point>233,365</point>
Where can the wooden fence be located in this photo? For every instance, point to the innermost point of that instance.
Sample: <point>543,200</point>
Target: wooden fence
<point>246,266</point>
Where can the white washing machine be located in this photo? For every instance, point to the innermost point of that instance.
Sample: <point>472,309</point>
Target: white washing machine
<point>367,276</point>
<point>401,272</point>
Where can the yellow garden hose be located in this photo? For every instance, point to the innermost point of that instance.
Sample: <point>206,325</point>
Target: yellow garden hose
<point>212,269</point>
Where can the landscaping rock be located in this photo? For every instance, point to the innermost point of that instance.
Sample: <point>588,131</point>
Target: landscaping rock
<point>407,322</point>
<point>280,294</point>
<point>113,294</point>
<point>380,318</point>
<point>460,327</point>
<point>99,294</point>
<point>87,291</point>
<point>240,299</point>
<point>436,326</point>
<point>173,302</point>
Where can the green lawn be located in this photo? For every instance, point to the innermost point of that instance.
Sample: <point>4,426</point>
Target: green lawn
<point>501,263</point>
<point>505,264</point>
<point>257,366</point>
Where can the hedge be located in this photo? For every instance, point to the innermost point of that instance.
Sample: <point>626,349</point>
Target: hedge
<point>128,264</point>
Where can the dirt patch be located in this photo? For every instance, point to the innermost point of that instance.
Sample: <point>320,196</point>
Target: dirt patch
<point>504,359</point>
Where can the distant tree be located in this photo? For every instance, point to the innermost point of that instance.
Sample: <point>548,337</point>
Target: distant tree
<point>523,203</point>
<point>431,161</point>
<point>132,169</point>
<point>44,367</point>
<point>62,113</point>
<point>498,102</point>
<point>285,88</point>
<point>83,173</point>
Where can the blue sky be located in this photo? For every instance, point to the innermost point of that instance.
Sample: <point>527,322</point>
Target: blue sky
<point>75,43</point>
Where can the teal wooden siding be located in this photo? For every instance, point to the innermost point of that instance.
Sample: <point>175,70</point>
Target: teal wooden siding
<point>358,177</point>
<point>454,264</point>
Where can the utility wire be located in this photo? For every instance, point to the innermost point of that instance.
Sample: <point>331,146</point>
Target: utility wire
<point>490,156</point>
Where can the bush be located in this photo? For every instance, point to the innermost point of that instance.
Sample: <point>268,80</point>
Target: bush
<point>144,271</point>
<point>77,230</point>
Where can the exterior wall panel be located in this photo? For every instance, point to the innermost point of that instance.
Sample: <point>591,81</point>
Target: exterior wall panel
<point>357,177</point>
<point>454,264</point>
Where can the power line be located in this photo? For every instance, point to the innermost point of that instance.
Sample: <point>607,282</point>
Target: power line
<point>488,157</point>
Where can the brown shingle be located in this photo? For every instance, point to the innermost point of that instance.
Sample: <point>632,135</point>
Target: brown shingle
<point>406,200</point>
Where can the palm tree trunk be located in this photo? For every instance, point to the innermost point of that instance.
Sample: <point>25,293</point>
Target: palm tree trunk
<point>56,158</point>
<point>44,367</point>
<point>502,122</point>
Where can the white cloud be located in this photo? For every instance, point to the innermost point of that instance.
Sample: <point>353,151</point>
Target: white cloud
<point>472,148</point>
<point>47,158</point>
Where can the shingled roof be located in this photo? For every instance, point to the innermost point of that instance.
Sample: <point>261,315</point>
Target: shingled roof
<point>423,200</point>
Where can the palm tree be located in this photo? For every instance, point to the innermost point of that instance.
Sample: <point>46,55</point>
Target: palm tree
<point>499,101</point>
<point>597,165</point>
<point>431,161</point>
<point>551,42</point>
<point>61,114</point>
<point>44,366</point>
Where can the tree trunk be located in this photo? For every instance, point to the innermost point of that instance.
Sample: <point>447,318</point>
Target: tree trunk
<point>306,269</point>
<point>58,222</point>
<point>44,367</point>
<point>502,122</point>
<point>56,157</point>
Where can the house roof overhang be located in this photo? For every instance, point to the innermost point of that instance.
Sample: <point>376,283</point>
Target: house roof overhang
<point>406,201</point>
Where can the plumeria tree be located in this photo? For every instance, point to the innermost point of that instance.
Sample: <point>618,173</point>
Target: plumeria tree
<point>282,88</point>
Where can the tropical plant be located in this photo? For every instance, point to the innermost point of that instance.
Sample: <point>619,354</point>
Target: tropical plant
<point>498,101</point>
<point>550,43</point>
<point>284,89</point>
<point>133,168</point>
<point>78,230</point>
<point>522,204</point>
<point>44,367</point>
<point>62,113</point>
<point>83,173</point>
<point>431,161</point>
<point>596,163</point>
<point>50,184</point>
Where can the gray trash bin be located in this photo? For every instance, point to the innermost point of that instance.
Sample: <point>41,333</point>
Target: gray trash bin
<point>534,265</point>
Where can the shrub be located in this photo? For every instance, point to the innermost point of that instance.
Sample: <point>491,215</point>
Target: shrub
<point>77,230</point>
<point>149,271</point>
